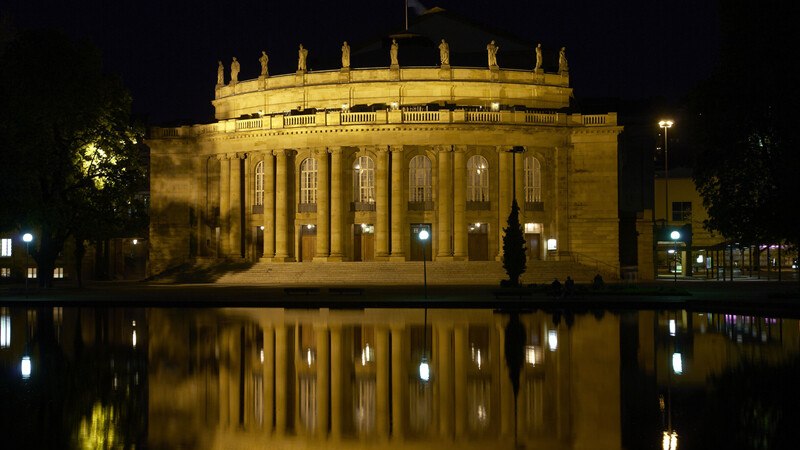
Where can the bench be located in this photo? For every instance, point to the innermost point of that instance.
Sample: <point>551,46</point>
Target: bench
<point>346,291</point>
<point>301,291</point>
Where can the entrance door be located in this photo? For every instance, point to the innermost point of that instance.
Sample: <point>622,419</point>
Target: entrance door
<point>308,243</point>
<point>533,242</point>
<point>416,244</point>
<point>478,243</point>
<point>363,242</point>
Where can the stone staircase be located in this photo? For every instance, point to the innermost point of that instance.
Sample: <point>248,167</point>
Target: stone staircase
<point>486,273</point>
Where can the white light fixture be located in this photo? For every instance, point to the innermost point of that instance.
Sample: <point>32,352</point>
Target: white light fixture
<point>699,259</point>
<point>675,235</point>
<point>669,441</point>
<point>424,370</point>
<point>424,235</point>
<point>677,363</point>
<point>495,106</point>
<point>345,107</point>
<point>261,355</point>
<point>261,227</point>
<point>672,327</point>
<point>552,340</point>
<point>395,106</point>
<point>27,237</point>
<point>551,244</point>
<point>26,367</point>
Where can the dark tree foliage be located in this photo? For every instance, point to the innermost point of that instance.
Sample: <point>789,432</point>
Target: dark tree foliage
<point>743,127</point>
<point>514,259</point>
<point>71,163</point>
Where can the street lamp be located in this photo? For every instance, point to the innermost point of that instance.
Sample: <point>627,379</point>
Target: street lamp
<point>27,237</point>
<point>666,125</point>
<point>424,367</point>
<point>675,235</point>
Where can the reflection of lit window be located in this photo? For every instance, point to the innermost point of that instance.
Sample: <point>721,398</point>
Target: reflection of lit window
<point>25,367</point>
<point>677,363</point>
<point>367,355</point>
<point>534,355</point>
<point>672,327</point>
<point>5,328</point>
<point>479,404</point>
<point>31,272</point>
<point>5,272</point>
<point>552,340</point>
<point>5,249</point>
<point>58,272</point>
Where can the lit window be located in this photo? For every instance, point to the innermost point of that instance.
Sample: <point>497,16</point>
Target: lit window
<point>5,272</point>
<point>477,179</point>
<point>533,180</point>
<point>308,181</point>
<point>259,180</point>
<point>681,211</point>
<point>31,272</point>
<point>364,180</point>
<point>419,179</point>
<point>58,272</point>
<point>5,328</point>
<point>6,247</point>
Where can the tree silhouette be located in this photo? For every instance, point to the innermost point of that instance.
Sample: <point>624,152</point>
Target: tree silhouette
<point>514,259</point>
<point>515,357</point>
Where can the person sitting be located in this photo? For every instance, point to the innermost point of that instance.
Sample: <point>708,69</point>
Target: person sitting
<point>555,288</point>
<point>597,282</point>
<point>569,286</point>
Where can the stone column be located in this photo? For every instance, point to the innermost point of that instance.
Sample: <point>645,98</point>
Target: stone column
<point>269,375</point>
<point>224,204</point>
<point>336,204</point>
<point>281,384</point>
<point>234,343</point>
<point>322,206</point>
<point>445,381</point>
<point>399,382</point>
<point>460,252</point>
<point>323,372</point>
<point>236,206</point>
<point>506,391</point>
<point>382,382</point>
<point>269,206</point>
<point>382,204</point>
<point>224,379</point>
<point>460,379</point>
<point>281,207</point>
<point>337,386</point>
<point>445,204</point>
<point>504,195</point>
<point>519,180</point>
<point>399,204</point>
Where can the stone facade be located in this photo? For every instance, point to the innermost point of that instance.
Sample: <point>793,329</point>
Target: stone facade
<point>325,166</point>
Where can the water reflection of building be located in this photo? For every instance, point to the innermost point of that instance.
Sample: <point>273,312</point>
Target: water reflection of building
<point>276,377</point>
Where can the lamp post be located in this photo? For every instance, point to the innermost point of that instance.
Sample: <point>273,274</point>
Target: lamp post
<point>424,368</point>
<point>666,125</point>
<point>27,237</point>
<point>514,150</point>
<point>675,235</point>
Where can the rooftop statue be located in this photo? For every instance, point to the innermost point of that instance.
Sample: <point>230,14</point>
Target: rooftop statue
<point>235,71</point>
<point>538,57</point>
<point>562,60</point>
<point>220,73</point>
<point>345,56</point>
<point>492,49</point>
<point>264,59</point>
<point>444,53</point>
<point>393,52</point>
<point>302,54</point>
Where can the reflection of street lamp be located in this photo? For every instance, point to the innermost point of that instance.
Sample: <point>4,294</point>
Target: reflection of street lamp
<point>27,237</point>
<point>666,125</point>
<point>424,368</point>
<point>675,235</point>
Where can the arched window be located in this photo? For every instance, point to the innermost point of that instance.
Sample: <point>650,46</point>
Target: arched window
<point>364,180</point>
<point>477,179</point>
<point>259,180</point>
<point>308,181</point>
<point>533,180</point>
<point>419,179</point>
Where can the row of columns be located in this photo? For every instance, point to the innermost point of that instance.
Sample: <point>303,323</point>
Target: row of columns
<point>451,194</point>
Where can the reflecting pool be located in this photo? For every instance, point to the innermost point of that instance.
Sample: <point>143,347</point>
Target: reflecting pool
<point>234,378</point>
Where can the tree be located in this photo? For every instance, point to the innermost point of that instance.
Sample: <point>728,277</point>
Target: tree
<point>743,129</point>
<point>71,163</point>
<point>514,259</point>
<point>514,347</point>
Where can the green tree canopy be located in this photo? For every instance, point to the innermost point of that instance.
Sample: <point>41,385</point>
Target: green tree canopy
<point>71,163</point>
<point>742,126</point>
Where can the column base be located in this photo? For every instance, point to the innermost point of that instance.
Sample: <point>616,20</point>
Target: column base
<point>320,259</point>
<point>460,258</point>
<point>382,257</point>
<point>282,259</point>
<point>335,258</point>
<point>397,257</point>
<point>444,258</point>
<point>266,259</point>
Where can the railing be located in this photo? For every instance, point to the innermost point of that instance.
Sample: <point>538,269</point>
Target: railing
<point>483,116</point>
<point>358,117</point>
<point>541,118</point>
<point>296,121</point>
<point>249,124</point>
<point>600,266</point>
<point>420,116</point>
<point>595,119</point>
<point>169,132</point>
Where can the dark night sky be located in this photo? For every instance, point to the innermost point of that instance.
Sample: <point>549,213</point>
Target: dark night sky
<point>166,50</point>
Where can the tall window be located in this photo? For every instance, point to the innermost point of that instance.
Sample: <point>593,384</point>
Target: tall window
<point>419,179</point>
<point>364,180</point>
<point>308,181</point>
<point>477,179</point>
<point>259,178</point>
<point>533,180</point>
<point>681,211</point>
<point>6,247</point>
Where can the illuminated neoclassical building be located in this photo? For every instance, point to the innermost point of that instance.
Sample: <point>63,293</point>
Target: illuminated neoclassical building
<point>349,164</point>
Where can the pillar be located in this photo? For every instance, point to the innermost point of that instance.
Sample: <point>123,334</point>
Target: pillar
<point>382,382</point>
<point>281,371</point>
<point>460,379</point>
<point>504,196</point>
<point>445,381</point>
<point>382,204</point>
<point>236,206</point>
<point>337,386</point>
<point>460,250</point>
<point>398,382</point>
<point>234,343</point>
<point>269,206</point>
<point>224,380</point>
<point>269,376</point>
<point>506,391</point>
<point>323,372</point>
<point>336,204</point>
<point>281,207</point>
<point>322,206</point>
<point>224,204</point>
<point>445,204</point>
<point>399,204</point>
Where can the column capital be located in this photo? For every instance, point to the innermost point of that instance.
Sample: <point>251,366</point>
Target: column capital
<point>443,148</point>
<point>279,152</point>
<point>460,148</point>
<point>334,150</point>
<point>396,148</point>
<point>504,148</point>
